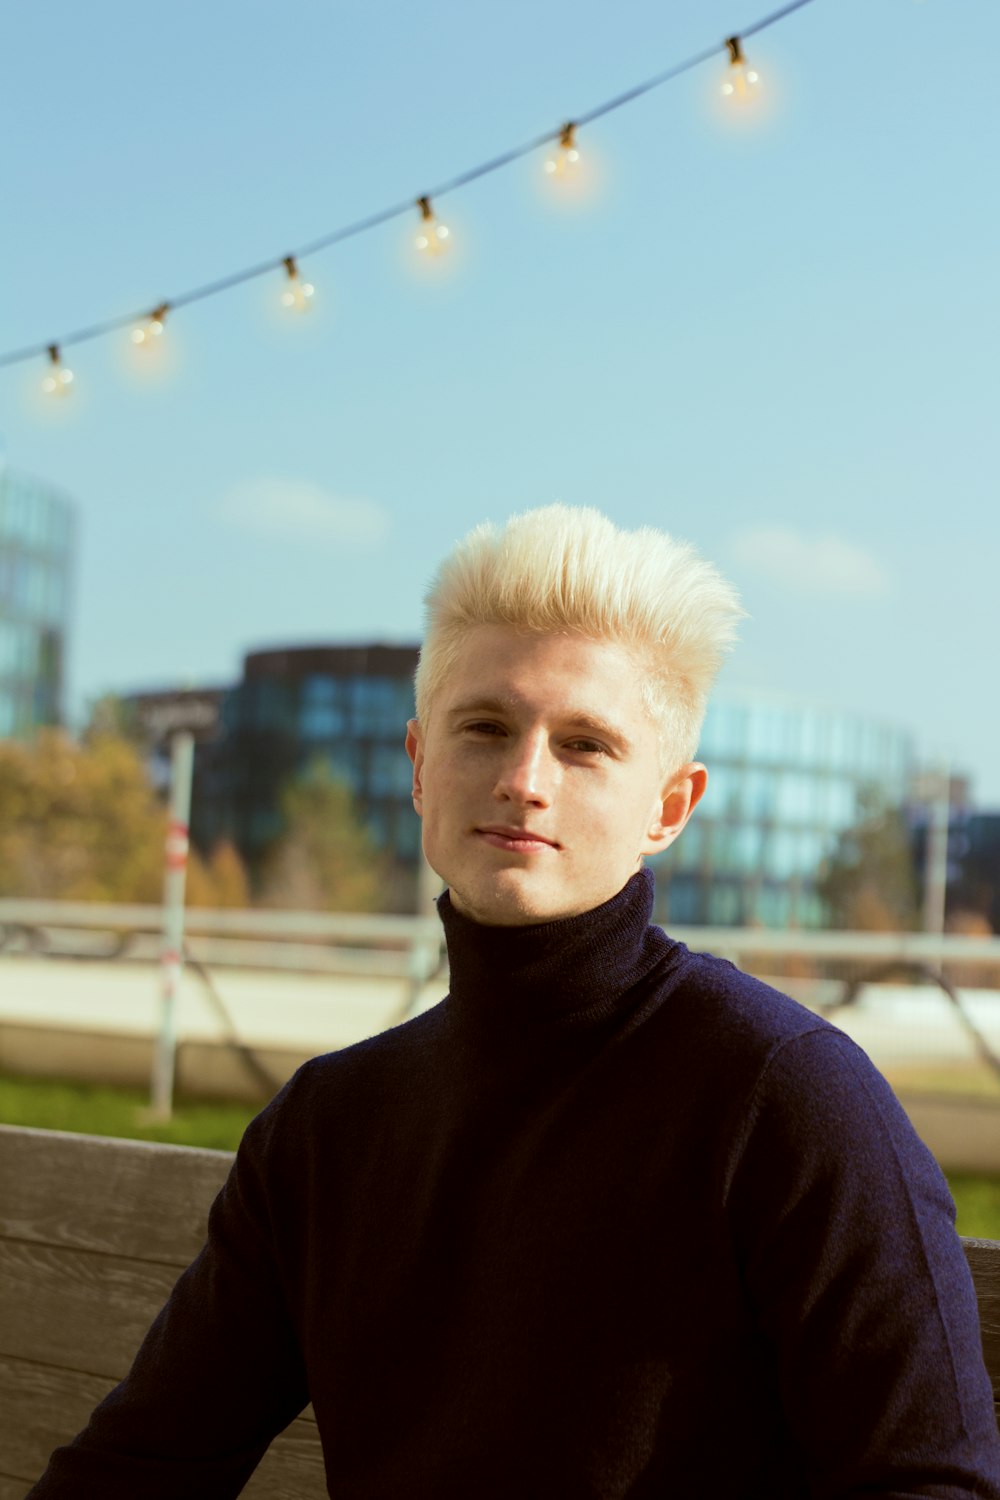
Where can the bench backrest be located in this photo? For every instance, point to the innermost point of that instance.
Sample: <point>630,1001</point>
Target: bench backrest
<point>93,1234</point>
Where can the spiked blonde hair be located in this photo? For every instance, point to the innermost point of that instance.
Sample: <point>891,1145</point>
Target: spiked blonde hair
<point>566,569</point>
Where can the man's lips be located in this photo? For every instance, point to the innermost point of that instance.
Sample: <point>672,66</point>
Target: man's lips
<point>518,840</point>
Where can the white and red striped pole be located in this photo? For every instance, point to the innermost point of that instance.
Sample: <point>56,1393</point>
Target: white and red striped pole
<point>161,1098</point>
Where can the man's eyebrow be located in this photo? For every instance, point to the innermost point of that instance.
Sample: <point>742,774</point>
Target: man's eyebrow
<point>574,719</point>
<point>482,706</point>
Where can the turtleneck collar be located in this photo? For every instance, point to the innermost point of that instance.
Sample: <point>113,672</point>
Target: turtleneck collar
<point>571,971</point>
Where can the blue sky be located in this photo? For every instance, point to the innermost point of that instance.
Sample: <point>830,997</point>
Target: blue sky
<point>775,337</point>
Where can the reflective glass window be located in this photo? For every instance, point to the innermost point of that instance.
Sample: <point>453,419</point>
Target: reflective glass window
<point>345,762</point>
<point>814,738</point>
<point>724,904</point>
<point>321,711</point>
<point>723,796</point>
<point>380,706</point>
<point>773,906</point>
<point>406,834</point>
<point>760,794</point>
<point>8,647</point>
<point>684,901</point>
<point>749,844</point>
<point>796,797</point>
<point>724,730</point>
<point>781,853</point>
<point>390,771</point>
<point>841,802</point>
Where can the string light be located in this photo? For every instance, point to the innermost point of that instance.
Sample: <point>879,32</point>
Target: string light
<point>740,79</point>
<point>298,293</point>
<point>59,380</point>
<point>566,155</point>
<point>144,334</point>
<point>433,237</point>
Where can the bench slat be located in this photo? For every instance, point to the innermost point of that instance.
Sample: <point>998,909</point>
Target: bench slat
<point>134,1198</point>
<point>80,1311</point>
<point>44,1407</point>
<point>984,1262</point>
<point>11,1489</point>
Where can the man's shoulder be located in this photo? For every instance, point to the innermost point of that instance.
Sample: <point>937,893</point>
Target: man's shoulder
<point>353,1084</point>
<point>738,1006</point>
<point>398,1047</point>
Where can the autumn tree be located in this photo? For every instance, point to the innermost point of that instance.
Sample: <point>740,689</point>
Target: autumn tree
<point>220,880</point>
<point>81,822</point>
<point>869,883</point>
<point>78,822</point>
<point>326,859</point>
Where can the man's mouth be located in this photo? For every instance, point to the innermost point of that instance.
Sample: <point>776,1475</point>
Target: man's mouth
<point>516,840</point>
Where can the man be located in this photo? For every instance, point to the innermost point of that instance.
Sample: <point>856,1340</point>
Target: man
<point>614,1219</point>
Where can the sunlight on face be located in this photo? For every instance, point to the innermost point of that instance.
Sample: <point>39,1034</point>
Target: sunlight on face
<point>538,776</point>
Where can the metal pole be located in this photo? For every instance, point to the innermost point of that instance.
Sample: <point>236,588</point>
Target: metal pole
<point>161,1098</point>
<point>936,857</point>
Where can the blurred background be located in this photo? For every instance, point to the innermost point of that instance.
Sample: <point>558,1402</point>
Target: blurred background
<point>754,306</point>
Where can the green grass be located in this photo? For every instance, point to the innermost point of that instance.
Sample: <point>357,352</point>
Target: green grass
<point>98,1109</point>
<point>978,1202</point>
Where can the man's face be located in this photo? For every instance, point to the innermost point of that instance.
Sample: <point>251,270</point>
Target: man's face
<point>538,776</point>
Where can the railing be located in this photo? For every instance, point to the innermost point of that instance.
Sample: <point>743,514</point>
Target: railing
<point>324,942</point>
<point>58,926</point>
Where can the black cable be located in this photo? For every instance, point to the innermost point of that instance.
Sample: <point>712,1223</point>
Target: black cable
<point>372,221</point>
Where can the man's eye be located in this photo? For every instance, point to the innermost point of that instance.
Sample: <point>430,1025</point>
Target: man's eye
<point>485,727</point>
<point>588,747</point>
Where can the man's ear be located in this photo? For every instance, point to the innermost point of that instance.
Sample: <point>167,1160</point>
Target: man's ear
<point>681,796</point>
<point>415,750</point>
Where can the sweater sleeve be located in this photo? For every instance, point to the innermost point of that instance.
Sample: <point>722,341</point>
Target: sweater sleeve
<point>217,1376</point>
<point>844,1227</point>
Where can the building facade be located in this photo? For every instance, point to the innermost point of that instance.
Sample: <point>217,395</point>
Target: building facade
<point>344,706</point>
<point>37,543</point>
<point>784,780</point>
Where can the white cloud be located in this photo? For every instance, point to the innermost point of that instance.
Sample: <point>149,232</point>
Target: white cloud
<point>295,510</point>
<point>826,564</point>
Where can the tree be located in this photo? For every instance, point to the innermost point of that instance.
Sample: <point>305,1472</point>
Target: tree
<point>869,882</point>
<point>78,822</point>
<point>81,822</point>
<point>219,881</point>
<point>326,859</point>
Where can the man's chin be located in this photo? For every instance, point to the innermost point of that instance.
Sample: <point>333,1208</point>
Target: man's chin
<point>511,900</point>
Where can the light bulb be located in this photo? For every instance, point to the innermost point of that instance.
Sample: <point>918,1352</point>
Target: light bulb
<point>563,158</point>
<point>741,79</point>
<point>144,334</point>
<point>433,237</point>
<point>298,293</point>
<point>59,380</point>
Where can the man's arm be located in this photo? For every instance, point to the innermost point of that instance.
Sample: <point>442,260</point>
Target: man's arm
<point>217,1376</point>
<point>845,1228</point>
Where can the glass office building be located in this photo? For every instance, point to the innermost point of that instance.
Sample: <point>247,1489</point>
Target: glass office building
<point>346,706</point>
<point>784,781</point>
<point>36,554</point>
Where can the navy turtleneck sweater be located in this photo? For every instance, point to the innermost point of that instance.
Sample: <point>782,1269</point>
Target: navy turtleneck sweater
<point>613,1220</point>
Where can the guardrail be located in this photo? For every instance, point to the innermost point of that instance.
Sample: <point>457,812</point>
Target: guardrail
<point>383,932</point>
<point>365,943</point>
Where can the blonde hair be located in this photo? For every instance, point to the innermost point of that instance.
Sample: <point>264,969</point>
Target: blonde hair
<point>567,569</point>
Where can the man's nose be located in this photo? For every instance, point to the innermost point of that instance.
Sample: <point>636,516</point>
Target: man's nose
<point>527,773</point>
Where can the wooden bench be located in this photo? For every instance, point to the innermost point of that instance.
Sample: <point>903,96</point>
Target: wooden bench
<point>93,1234</point>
